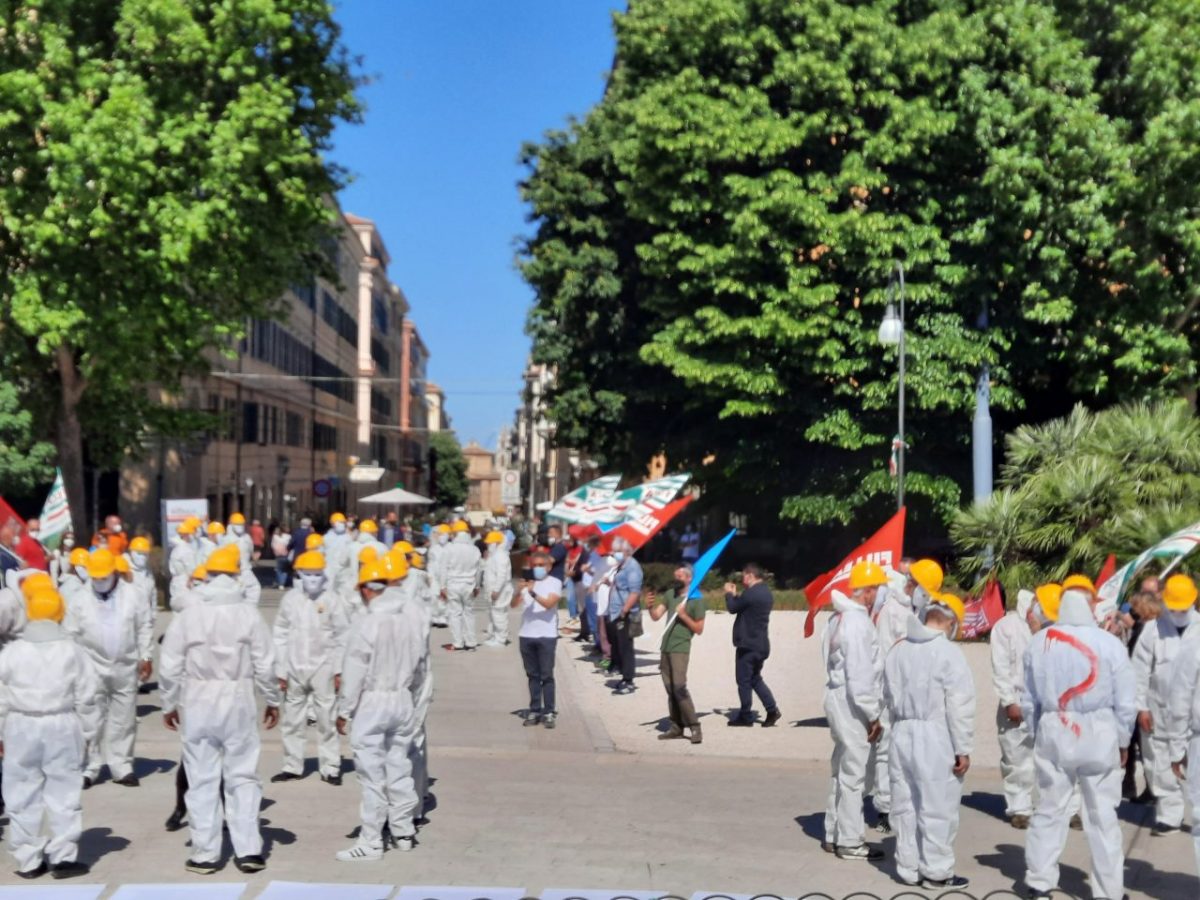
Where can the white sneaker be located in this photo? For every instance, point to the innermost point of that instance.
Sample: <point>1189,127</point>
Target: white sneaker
<point>492,642</point>
<point>360,853</point>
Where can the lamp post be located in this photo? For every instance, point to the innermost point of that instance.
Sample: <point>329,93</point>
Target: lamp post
<point>891,333</point>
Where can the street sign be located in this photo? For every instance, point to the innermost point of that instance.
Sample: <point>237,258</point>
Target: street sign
<point>322,487</point>
<point>366,474</point>
<point>510,487</point>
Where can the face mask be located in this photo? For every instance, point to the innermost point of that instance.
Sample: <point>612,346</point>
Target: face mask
<point>68,543</point>
<point>539,572</point>
<point>35,534</point>
<point>551,540</point>
<point>443,538</point>
<point>339,528</point>
<point>81,571</point>
<point>138,559</point>
<point>1180,617</point>
<point>105,585</point>
<point>312,583</point>
<point>364,537</point>
<point>239,530</point>
<point>116,529</point>
<point>618,556</point>
<point>920,598</point>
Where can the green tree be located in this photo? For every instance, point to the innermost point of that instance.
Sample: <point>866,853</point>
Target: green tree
<point>24,461</point>
<point>449,469</point>
<point>163,179</point>
<point>1075,489</point>
<point>713,241</point>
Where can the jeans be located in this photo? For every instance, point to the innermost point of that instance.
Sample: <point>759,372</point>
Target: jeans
<point>587,627</point>
<point>538,656</point>
<point>623,659</point>
<point>748,670</point>
<point>572,606</point>
<point>680,708</point>
<point>281,571</point>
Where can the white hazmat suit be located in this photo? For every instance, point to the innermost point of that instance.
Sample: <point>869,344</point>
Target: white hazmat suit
<point>463,568</point>
<point>1181,726</point>
<point>1080,700</point>
<point>47,712</point>
<point>929,691</point>
<point>214,655</point>
<point>1153,664</point>
<point>891,618</point>
<point>1010,638</point>
<point>498,589</point>
<point>114,629</point>
<point>435,567</point>
<point>310,638</point>
<point>853,699</point>
<point>418,596</point>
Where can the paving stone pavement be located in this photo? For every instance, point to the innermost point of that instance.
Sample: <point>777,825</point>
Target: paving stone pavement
<point>599,803</point>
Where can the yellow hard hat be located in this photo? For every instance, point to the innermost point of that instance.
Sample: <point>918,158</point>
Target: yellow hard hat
<point>122,565</point>
<point>45,604</point>
<point>79,556</point>
<point>369,526</point>
<point>928,574</point>
<point>398,564</point>
<point>377,571</point>
<point>416,560</point>
<point>310,561</point>
<point>237,519</point>
<point>866,574</point>
<point>1049,598</point>
<point>337,517</point>
<point>225,560</point>
<point>1079,583</point>
<point>38,581</point>
<point>101,563</point>
<point>368,555</point>
<point>139,545</point>
<point>459,526</point>
<point>200,573</point>
<point>952,603</point>
<point>1179,593</point>
<point>313,541</point>
<point>188,525</point>
<point>442,529</point>
<point>215,528</point>
<point>403,546</point>
<point>494,537</point>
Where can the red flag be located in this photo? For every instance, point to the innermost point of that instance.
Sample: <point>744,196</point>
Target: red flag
<point>639,531</point>
<point>982,614</point>
<point>1107,570</point>
<point>885,547</point>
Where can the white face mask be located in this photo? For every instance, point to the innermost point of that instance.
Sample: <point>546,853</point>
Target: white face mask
<point>35,534</point>
<point>68,543</point>
<point>618,556</point>
<point>105,585</point>
<point>312,583</point>
<point>551,540</point>
<point>138,560</point>
<point>81,571</point>
<point>443,538</point>
<point>1179,617</point>
<point>239,530</point>
<point>339,527</point>
<point>116,529</point>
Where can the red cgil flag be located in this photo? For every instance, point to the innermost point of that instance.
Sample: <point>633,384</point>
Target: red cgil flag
<point>982,614</point>
<point>1107,570</point>
<point>885,547</point>
<point>639,531</point>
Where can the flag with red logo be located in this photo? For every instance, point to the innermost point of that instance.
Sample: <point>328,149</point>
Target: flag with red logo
<point>885,547</point>
<point>639,531</point>
<point>981,614</point>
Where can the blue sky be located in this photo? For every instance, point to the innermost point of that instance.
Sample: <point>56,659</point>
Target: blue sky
<point>457,86</point>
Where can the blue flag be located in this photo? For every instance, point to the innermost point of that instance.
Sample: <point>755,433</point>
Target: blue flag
<point>705,562</point>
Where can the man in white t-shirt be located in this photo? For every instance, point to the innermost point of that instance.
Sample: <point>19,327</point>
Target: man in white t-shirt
<point>538,638</point>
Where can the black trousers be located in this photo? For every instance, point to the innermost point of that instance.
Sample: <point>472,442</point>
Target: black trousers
<point>623,659</point>
<point>538,656</point>
<point>748,671</point>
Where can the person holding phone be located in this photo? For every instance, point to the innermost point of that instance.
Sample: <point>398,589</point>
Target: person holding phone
<point>538,638</point>
<point>687,620</point>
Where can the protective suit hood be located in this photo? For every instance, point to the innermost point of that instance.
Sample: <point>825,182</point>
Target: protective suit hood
<point>43,631</point>
<point>390,601</point>
<point>1076,610</point>
<point>222,589</point>
<point>920,633</point>
<point>463,537</point>
<point>897,581</point>
<point>1024,603</point>
<point>842,603</point>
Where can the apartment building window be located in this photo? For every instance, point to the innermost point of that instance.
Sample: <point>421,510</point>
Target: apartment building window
<point>307,293</point>
<point>340,387</point>
<point>325,437</point>
<point>228,428</point>
<point>381,404</point>
<point>274,345</point>
<point>338,319</point>
<point>294,426</point>
<point>379,314</point>
<point>249,423</point>
<point>383,359</point>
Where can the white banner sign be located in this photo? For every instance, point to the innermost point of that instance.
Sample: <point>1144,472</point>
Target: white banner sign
<point>175,511</point>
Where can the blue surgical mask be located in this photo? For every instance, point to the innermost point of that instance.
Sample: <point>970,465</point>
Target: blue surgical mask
<point>619,556</point>
<point>539,572</point>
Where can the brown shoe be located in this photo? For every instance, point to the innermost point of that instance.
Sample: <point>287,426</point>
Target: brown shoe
<point>1021,823</point>
<point>696,737</point>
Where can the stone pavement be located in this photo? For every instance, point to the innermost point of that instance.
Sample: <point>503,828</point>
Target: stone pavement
<point>597,803</point>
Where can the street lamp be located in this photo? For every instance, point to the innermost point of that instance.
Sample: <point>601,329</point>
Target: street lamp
<point>891,334</point>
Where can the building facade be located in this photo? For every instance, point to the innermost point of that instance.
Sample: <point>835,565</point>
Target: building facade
<point>547,470</point>
<point>302,399</point>
<point>483,482</point>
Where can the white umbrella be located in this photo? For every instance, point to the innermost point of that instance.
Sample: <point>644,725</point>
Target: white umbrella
<point>396,497</point>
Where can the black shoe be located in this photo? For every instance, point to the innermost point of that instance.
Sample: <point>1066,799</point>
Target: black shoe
<point>828,847</point>
<point>68,870</point>
<point>1162,830</point>
<point>129,780</point>
<point>772,717</point>
<point>697,737</point>
<point>250,864</point>
<point>285,776</point>
<point>175,820</point>
<point>674,734</point>
<point>202,868</point>
<point>1038,894</point>
<point>335,780</point>
<point>87,782</point>
<point>1146,797</point>
<point>954,882</point>
<point>1076,823</point>
<point>739,722</point>
<point>36,873</point>
<point>624,688</point>
<point>884,825</point>
<point>532,719</point>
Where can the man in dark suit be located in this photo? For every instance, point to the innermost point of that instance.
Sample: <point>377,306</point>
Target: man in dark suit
<point>753,644</point>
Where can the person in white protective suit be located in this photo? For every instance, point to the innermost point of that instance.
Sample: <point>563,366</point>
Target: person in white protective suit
<point>435,568</point>
<point>853,700</point>
<point>192,595</point>
<point>419,596</point>
<point>1009,639</point>
<point>463,568</point>
<point>251,588</point>
<point>1179,728</point>
<point>48,711</point>
<point>185,557</point>
<point>1154,664</point>
<point>236,533</point>
<point>212,537</point>
<point>310,638</point>
<point>927,686</point>
<point>142,577</point>
<point>74,579</point>
<point>497,587</point>
<point>891,618</point>
<point>337,535</point>
<point>110,621</point>
<point>214,656</point>
<point>1080,700</point>
<point>380,684</point>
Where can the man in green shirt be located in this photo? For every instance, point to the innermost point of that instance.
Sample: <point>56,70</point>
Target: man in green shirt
<point>687,619</point>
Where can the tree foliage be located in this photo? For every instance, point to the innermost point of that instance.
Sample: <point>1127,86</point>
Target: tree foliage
<point>713,241</point>
<point>449,470</point>
<point>162,179</point>
<point>24,460</point>
<point>1075,489</point>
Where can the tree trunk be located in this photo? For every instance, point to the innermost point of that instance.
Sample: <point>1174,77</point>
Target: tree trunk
<point>70,442</point>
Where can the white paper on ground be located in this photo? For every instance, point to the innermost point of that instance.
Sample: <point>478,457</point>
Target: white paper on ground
<point>52,892</point>
<point>299,890</point>
<point>579,894</point>
<point>459,893</point>
<point>207,891</point>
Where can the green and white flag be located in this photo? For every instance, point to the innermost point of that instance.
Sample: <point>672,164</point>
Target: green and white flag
<point>56,514</point>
